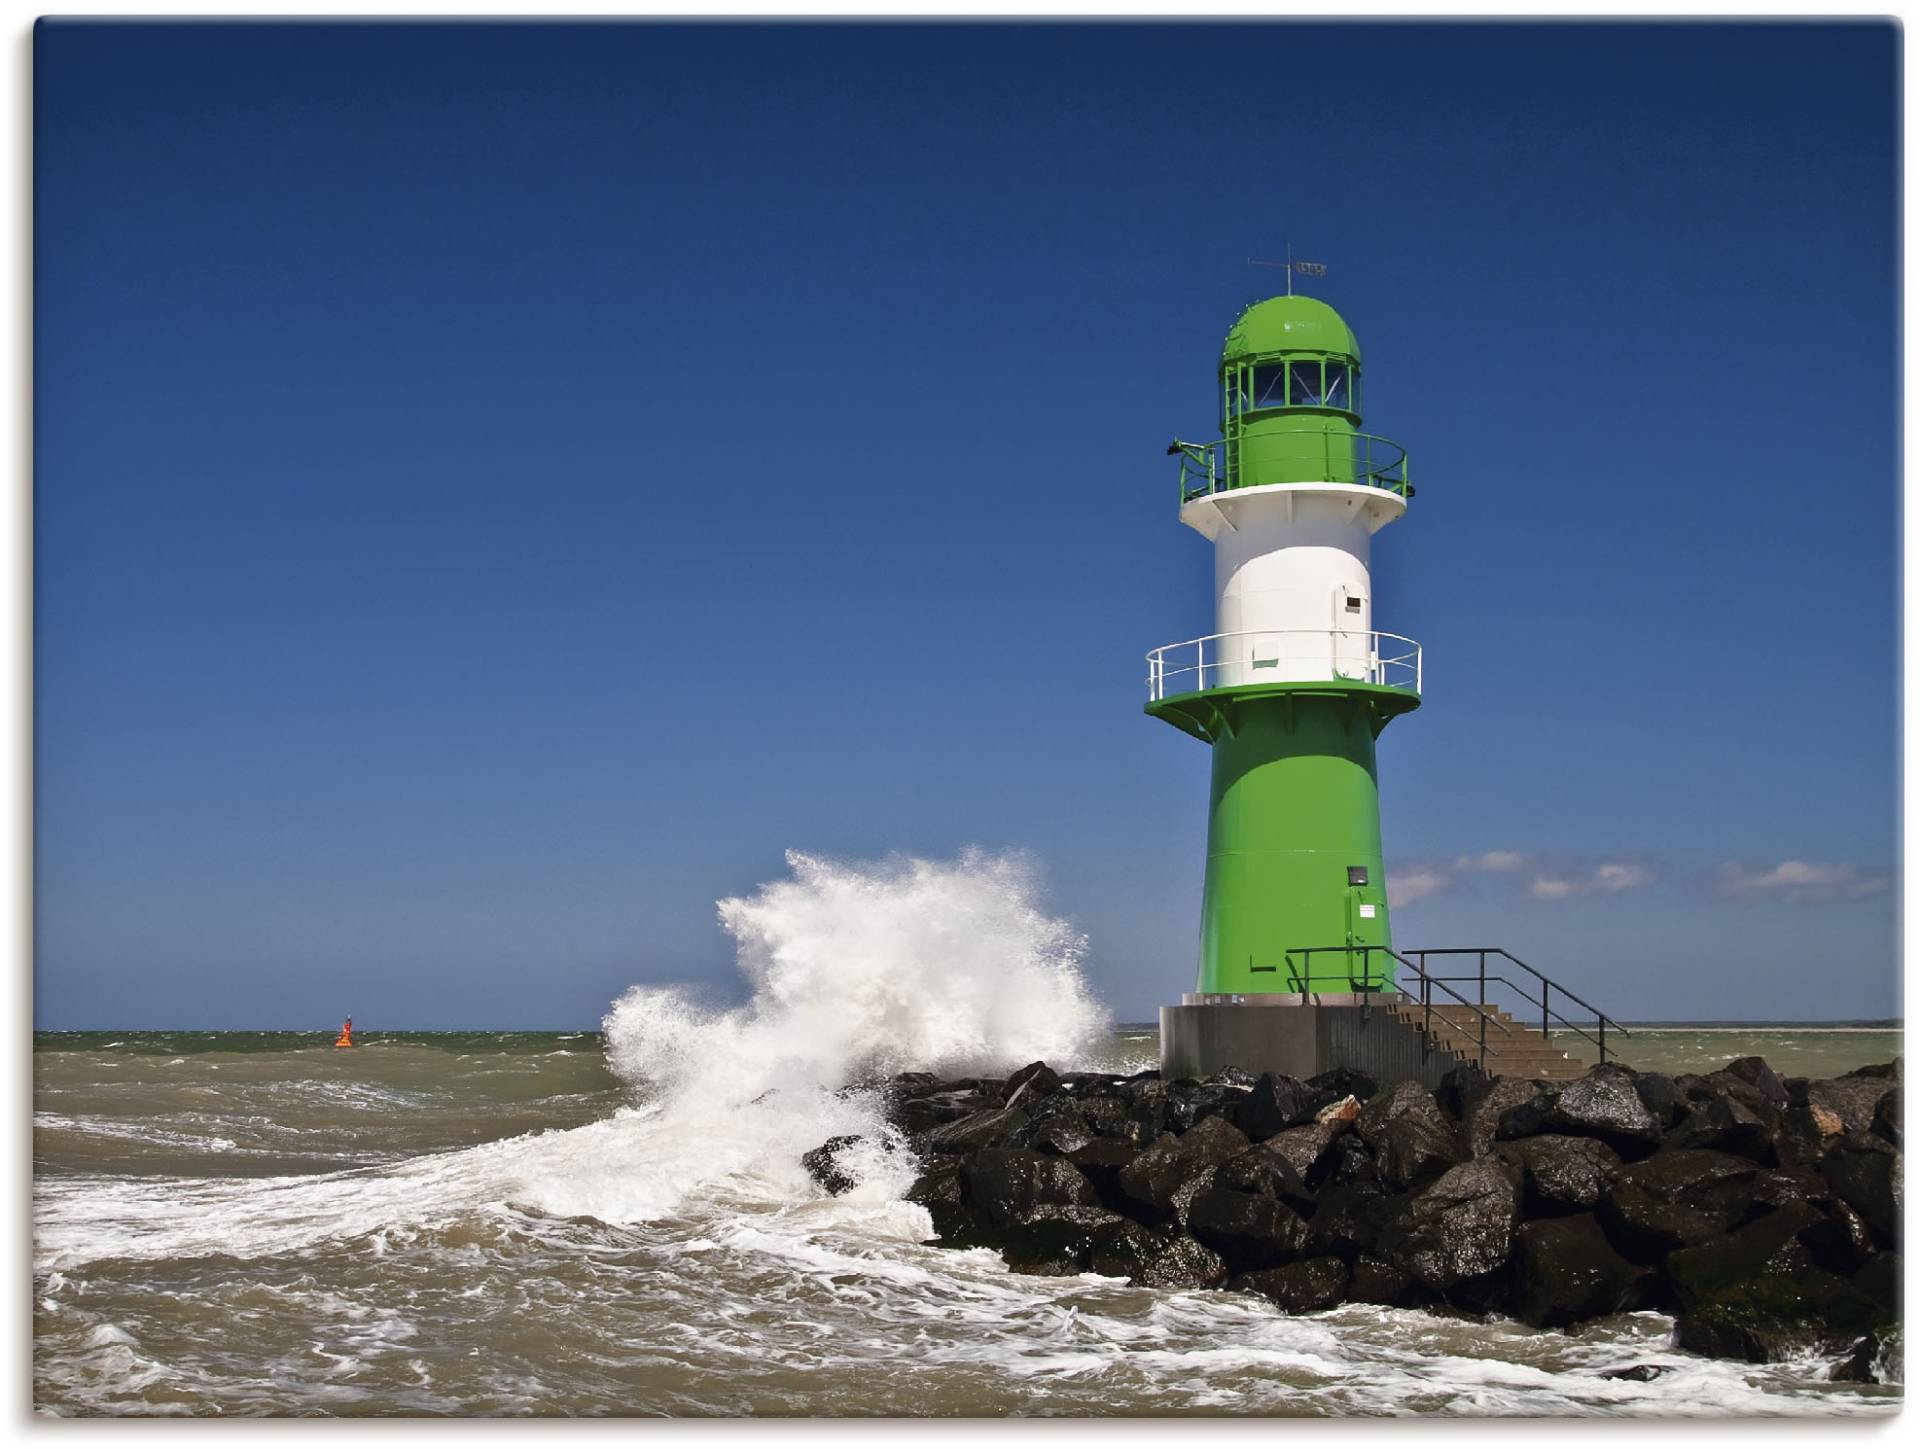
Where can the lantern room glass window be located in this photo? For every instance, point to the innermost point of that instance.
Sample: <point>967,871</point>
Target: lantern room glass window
<point>1269,386</point>
<point>1303,384</point>
<point>1336,395</point>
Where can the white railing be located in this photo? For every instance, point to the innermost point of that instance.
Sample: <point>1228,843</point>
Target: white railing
<point>1275,656</point>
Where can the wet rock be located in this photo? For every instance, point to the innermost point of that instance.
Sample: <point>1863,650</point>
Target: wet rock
<point>1247,1230</point>
<point>1458,1089</point>
<point>1865,1172</point>
<point>1841,1242</point>
<point>1603,1104</point>
<point>1459,1228</point>
<point>1769,1245</point>
<point>1181,1262</point>
<point>1484,1111</point>
<point>1676,1200</point>
<point>1350,1220</point>
<point>1878,1282</point>
<point>1188,1108</point>
<point>987,1129</point>
<point>1305,1287</point>
<point>1661,1096</point>
<point>942,1191</point>
<point>923,1113</point>
<point>1091,1084</point>
<point>1302,1150</point>
<point>1232,1077</point>
<point>823,1165</point>
<point>1757,1074</point>
<point>1008,1186</point>
<point>1889,1119</point>
<point>1854,1100</point>
<point>1030,1083</point>
<point>1055,1241</point>
<point>1769,1318</point>
<point>1057,1125</point>
<point>1147,1186</point>
<point>1563,1175</point>
<point>1723,1124</point>
<point>1345,1082</point>
<point>1101,1162</point>
<point>1344,1111</point>
<point>1639,1373</point>
<point>1564,1271</point>
<point>1411,1139</point>
<point>1275,1104</point>
<point>1375,1280</point>
<point>1108,1116</point>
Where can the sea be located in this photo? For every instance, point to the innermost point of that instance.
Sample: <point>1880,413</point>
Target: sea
<point>615,1221</point>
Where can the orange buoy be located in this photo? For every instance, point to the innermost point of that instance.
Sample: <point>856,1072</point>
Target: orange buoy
<point>345,1038</point>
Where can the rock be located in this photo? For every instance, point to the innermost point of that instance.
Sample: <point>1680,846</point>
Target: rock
<point>1459,1228</point>
<point>1661,1096</point>
<point>1275,1104</point>
<point>1458,1089</point>
<point>1181,1262</point>
<point>1057,1125</point>
<point>1054,1242</point>
<point>1878,1282</point>
<point>1007,1187</point>
<point>1639,1373</point>
<point>1676,1200</point>
<point>1191,1106</point>
<point>1769,1318</point>
<point>1854,1100</point>
<point>823,1166</point>
<point>1483,1112</point>
<point>1344,1111</point>
<point>1722,1125</point>
<point>1302,1150</point>
<point>1758,1075</point>
<point>1767,1246</point>
<point>1247,1230</point>
<point>1865,1172</point>
<point>922,1113</point>
<point>1564,1271</point>
<point>1148,1185</point>
<point>1030,1083</point>
<point>1305,1287</point>
<point>1107,1116</point>
<point>1232,1077</point>
<point>1841,1242</point>
<point>1603,1104</point>
<point>1375,1280</point>
<point>1888,1119</point>
<point>1564,1174</point>
<point>1101,1162</point>
<point>982,1130</point>
<point>1411,1138</point>
<point>1345,1082</point>
<point>1350,1220</point>
<point>942,1191</point>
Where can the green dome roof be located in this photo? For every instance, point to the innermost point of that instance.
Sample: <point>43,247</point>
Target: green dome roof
<point>1289,324</point>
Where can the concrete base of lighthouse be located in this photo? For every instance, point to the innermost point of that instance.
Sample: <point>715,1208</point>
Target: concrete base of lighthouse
<point>1282,1034</point>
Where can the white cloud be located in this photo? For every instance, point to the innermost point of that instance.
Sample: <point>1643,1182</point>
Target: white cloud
<point>1545,878</point>
<point>1798,881</point>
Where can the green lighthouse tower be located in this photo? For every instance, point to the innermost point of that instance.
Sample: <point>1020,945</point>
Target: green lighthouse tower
<point>1295,686</point>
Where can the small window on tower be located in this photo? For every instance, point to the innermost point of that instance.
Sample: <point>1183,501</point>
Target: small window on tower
<point>1270,386</point>
<point>1356,875</point>
<point>1336,394</point>
<point>1303,385</point>
<point>1353,603</point>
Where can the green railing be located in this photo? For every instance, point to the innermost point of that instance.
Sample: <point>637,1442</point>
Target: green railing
<point>1338,456</point>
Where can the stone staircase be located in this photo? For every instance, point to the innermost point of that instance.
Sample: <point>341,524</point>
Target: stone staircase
<point>1521,1052</point>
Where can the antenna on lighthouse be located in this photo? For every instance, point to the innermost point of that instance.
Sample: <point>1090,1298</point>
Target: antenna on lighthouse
<point>1291,267</point>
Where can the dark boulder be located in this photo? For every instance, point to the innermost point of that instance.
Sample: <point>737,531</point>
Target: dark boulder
<point>1350,1219</point>
<point>1722,1124</point>
<point>1054,1241</point>
<point>1757,1074</point>
<point>1563,1175</point>
<point>1854,1100</point>
<point>1677,1200</point>
<point>1639,1373</point>
<point>1775,1316</point>
<point>1841,1242</point>
<point>1302,1150</point>
<point>1275,1104</point>
<point>1458,1089</point>
<point>1604,1105</point>
<point>1412,1141</point>
<point>1661,1096</point>
<point>1247,1230</point>
<point>1768,1245</point>
<point>1108,1116</point>
<point>1375,1280</point>
<point>1101,1162</point>
<point>1190,1105</point>
<point>942,1191</point>
<point>1888,1120</point>
<point>993,1128</point>
<point>1459,1228</point>
<point>1481,1120</point>
<point>926,1111</point>
<point>1564,1270</point>
<point>1090,1084</point>
<point>1345,1082</point>
<point>1864,1171</point>
<point>823,1164</point>
<point>1057,1125</point>
<point>1305,1287</point>
<point>1029,1084</point>
<point>1127,1250</point>
<point>1149,1185</point>
<point>1007,1187</point>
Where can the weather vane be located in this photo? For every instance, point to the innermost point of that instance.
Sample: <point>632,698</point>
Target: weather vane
<point>1291,267</point>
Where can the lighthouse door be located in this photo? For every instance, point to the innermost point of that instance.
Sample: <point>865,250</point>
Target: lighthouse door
<point>1366,926</point>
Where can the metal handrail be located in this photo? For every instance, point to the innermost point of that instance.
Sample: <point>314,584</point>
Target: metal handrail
<point>1396,671</point>
<point>1374,461</point>
<point>1547,987</point>
<point>1366,986</point>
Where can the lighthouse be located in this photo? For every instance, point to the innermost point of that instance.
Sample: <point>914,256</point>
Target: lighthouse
<point>1291,692</point>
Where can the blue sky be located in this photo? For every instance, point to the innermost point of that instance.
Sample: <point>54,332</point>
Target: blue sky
<point>498,488</point>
